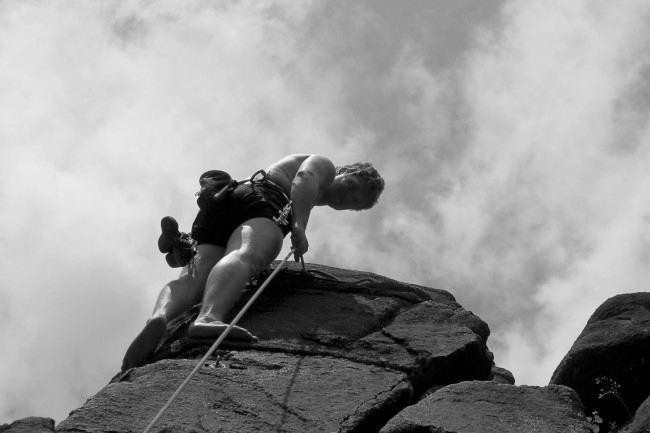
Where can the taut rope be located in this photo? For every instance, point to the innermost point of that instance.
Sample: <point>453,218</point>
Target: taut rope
<point>217,343</point>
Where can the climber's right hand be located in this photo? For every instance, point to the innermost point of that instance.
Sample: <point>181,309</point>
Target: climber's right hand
<point>299,242</point>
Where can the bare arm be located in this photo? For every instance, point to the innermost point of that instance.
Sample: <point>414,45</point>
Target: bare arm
<point>314,175</point>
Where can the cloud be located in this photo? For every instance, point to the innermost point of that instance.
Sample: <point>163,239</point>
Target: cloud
<point>549,174</point>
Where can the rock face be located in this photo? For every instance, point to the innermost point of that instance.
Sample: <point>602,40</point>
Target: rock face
<point>641,421</point>
<point>338,351</point>
<point>29,425</point>
<point>249,392</point>
<point>609,364</point>
<point>489,407</point>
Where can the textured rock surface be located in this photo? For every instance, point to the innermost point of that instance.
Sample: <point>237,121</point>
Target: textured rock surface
<point>489,407</point>
<point>341,352</point>
<point>615,344</point>
<point>29,425</point>
<point>354,352</point>
<point>364,318</point>
<point>501,375</point>
<point>247,392</point>
<point>641,422</point>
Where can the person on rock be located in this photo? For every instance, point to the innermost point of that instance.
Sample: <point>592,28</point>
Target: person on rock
<point>241,238</point>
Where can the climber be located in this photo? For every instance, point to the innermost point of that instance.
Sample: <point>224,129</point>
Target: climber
<point>245,240</point>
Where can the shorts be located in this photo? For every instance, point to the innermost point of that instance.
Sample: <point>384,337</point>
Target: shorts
<point>247,201</point>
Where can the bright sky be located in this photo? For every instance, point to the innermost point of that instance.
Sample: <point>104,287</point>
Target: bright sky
<point>513,137</point>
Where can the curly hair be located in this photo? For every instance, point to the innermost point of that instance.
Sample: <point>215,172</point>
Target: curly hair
<point>370,175</point>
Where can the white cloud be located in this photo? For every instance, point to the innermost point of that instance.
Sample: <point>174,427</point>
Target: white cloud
<point>547,170</point>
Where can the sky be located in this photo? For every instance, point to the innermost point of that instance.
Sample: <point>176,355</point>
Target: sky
<point>513,136</point>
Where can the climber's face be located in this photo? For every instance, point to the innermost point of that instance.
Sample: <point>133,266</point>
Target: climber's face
<point>348,192</point>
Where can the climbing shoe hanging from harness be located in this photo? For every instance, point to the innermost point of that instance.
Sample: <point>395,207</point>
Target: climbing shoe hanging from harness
<point>216,185</point>
<point>178,247</point>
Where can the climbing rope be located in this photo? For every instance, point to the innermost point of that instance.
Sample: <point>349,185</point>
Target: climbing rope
<point>217,343</point>
<point>317,274</point>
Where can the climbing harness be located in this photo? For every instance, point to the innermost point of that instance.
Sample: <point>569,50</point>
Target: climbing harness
<point>284,210</point>
<point>216,185</point>
<point>218,342</point>
<point>283,218</point>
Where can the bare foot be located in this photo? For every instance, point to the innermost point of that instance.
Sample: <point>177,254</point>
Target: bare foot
<point>202,328</point>
<point>145,343</point>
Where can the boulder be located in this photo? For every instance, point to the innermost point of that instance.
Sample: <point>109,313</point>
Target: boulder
<point>609,363</point>
<point>29,425</point>
<point>247,392</point>
<point>490,407</point>
<point>338,350</point>
<point>641,421</point>
<point>361,317</point>
<point>501,375</point>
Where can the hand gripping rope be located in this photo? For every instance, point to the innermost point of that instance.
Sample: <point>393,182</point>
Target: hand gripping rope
<point>217,343</point>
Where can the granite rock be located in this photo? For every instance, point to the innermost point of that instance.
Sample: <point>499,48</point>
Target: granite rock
<point>609,363</point>
<point>641,421</point>
<point>338,350</point>
<point>490,407</point>
<point>29,425</point>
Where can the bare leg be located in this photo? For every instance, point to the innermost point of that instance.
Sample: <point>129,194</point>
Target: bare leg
<point>175,298</point>
<point>251,248</point>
